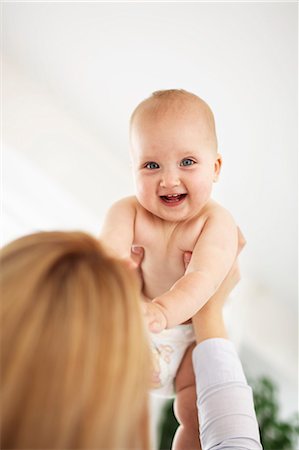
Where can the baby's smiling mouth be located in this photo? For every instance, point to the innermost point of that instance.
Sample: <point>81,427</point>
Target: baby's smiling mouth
<point>173,198</point>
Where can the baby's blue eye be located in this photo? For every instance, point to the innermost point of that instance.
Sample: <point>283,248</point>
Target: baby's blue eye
<point>151,165</point>
<point>187,162</point>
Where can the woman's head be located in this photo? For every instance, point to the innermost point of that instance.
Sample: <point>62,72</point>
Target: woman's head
<point>74,354</point>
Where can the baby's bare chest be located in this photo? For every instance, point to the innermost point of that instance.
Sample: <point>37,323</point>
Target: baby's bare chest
<point>170,241</point>
<point>164,247</point>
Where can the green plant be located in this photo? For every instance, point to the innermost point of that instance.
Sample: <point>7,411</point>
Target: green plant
<point>168,426</point>
<point>276,434</point>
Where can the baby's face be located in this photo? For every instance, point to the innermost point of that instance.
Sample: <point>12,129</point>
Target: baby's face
<point>174,164</point>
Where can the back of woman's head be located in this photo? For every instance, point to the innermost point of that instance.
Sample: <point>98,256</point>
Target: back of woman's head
<point>74,354</point>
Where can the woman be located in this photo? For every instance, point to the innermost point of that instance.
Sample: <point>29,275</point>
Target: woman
<point>75,353</point>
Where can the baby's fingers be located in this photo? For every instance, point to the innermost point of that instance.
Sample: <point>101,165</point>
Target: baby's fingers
<point>154,318</point>
<point>156,326</point>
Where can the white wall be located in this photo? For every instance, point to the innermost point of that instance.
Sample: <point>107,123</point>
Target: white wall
<point>73,72</point>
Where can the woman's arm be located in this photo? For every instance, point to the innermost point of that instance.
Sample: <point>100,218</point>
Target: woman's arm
<point>224,399</point>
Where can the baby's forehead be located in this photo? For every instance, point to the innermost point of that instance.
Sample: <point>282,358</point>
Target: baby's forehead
<point>173,109</point>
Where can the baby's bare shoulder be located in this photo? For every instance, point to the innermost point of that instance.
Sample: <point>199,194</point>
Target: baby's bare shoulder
<point>215,211</point>
<point>124,205</point>
<point>130,201</point>
<point>120,212</point>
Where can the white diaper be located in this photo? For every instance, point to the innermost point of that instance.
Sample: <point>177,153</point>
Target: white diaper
<point>169,347</point>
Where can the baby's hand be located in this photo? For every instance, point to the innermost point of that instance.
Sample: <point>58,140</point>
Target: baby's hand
<point>155,318</point>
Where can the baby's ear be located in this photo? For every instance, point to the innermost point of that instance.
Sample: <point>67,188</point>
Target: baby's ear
<point>217,167</point>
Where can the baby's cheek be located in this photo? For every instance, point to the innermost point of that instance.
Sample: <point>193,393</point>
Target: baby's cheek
<point>145,192</point>
<point>142,185</point>
<point>204,190</point>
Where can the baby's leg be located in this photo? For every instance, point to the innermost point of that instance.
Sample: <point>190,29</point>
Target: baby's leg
<point>187,435</point>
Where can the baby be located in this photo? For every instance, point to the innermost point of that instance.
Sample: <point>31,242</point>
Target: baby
<point>175,163</point>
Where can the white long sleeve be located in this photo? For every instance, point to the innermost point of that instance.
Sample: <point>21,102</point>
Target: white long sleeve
<point>224,399</point>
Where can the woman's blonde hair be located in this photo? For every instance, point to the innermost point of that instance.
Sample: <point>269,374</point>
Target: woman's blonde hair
<point>75,359</point>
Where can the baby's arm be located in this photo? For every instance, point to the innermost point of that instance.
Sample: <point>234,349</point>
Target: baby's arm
<point>212,258</point>
<point>118,229</point>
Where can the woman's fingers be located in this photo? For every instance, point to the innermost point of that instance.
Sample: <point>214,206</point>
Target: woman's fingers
<point>187,258</point>
<point>241,241</point>
<point>137,254</point>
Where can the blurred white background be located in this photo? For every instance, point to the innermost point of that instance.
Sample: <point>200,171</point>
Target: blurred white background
<point>71,75</point>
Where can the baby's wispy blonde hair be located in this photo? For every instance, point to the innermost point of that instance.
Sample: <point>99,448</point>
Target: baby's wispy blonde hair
<point>178,101</point>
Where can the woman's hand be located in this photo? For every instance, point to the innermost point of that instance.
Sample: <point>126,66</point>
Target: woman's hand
<point>137,255</point>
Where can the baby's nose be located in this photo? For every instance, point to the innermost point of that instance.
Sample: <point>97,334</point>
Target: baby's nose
<point>170,180</point>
